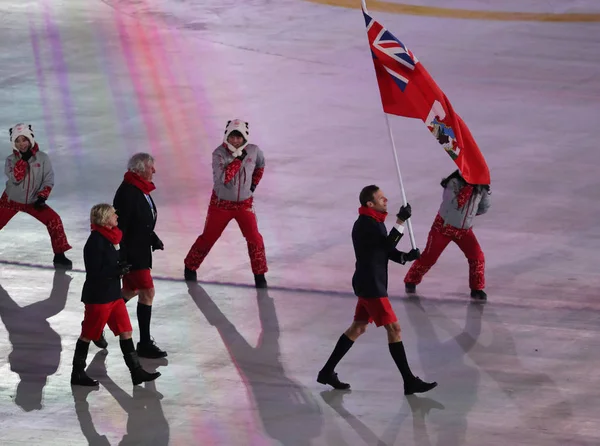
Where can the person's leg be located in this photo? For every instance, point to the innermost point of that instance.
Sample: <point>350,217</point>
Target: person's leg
<point>94,320</point>
<point>216,221</point>
<point>120,324</point>
<point>436,243</point>
<point>246,220</point>
<point>384,316</point>
<point>470,247</point>
<point>327,374</point>
<point>7,212</point>
<point>142,280</point>
<point>58,237</point>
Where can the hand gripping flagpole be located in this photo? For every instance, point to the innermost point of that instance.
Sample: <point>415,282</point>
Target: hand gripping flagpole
<point>408,223</point>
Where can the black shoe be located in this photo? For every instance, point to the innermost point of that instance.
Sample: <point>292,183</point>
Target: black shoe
<point>332,380</point>
<point>410,288</point>
<point>80,378</point>
<point>417,385</point>
<point>260,281</point>
<point>478,295</point>
<point>190,275</point>
<point>150,350</point>
<point>101,343</point>
<point>61,262</point>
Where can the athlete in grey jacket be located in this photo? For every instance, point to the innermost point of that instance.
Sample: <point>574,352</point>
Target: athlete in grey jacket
<point>461,202</point>
<point>237,169</point>
<point>30,181</point>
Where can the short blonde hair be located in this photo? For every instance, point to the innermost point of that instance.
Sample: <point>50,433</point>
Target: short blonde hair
<point>100,213</point>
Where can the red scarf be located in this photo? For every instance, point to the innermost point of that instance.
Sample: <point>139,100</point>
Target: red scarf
<point>113,235</point>
<point>35,149</point>
<point>370,212</point>
<point>464,195</point>
<point>144,185</point>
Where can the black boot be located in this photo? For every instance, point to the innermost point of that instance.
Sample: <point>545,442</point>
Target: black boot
<point>101,343</point>
<point>410,288</point>
<point>61,261</point>
<point>190,275</point>
<point>78,375</point>
<point>138,374</point>
<point>260,281</point>
<point>478,295</point>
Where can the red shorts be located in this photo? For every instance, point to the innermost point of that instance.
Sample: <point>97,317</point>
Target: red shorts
<point>378,310</point>
<point>98,315</point>
<point>140,279</point>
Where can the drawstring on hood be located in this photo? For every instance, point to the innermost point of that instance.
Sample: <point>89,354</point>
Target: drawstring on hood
<point>236,125</point>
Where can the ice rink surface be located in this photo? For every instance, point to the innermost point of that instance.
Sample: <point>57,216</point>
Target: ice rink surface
<point>101,80</point>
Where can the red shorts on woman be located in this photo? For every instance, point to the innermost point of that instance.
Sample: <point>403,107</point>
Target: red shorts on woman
<point>377,309</point>
<point>97,316</point>
<point>140,279</point>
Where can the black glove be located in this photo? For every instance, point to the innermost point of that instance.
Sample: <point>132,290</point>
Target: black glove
<point>252,187</point>
<point>123,267</point>
<point>158,244</point>
<point>404,213</point>
<point>243,155</point>
<point>411,255</point>
<point>40,203</point>
<point>26,155</point>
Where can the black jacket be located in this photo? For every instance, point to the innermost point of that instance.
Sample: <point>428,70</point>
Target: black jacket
<point>373,248</point>
<point>102,281</point>
<point>137,221</point>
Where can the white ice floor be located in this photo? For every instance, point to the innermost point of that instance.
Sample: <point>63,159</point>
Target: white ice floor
<point>101,80</point>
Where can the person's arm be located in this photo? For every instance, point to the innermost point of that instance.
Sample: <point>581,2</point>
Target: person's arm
<point>15,170</point>
<point>224,172</point>
<point>485,202</point>
<point>259,170</point>
<point>396,234</point>
<point>122,205</point>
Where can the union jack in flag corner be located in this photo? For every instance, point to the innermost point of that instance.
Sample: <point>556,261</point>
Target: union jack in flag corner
<point>408,90</point>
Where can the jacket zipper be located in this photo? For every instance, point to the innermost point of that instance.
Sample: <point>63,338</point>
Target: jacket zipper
<point>28,173</point>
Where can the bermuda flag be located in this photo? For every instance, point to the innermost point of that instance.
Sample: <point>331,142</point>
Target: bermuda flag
<point>407,89</point>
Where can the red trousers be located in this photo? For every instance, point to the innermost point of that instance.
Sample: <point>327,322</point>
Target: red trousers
<point>217,220</point>
<point>438,239</point>
<point>47,215</point>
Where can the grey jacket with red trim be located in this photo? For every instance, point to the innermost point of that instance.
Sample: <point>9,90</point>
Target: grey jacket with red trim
<point>239,186</point>
<point>28,179</point>
<point>462,218</point>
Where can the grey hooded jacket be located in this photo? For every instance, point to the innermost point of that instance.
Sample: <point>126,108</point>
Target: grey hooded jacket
<point>462,218</point>
<point>238,189</point>
<point>38,177</point>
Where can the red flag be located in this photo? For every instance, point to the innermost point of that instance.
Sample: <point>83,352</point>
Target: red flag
<point>407,89</point>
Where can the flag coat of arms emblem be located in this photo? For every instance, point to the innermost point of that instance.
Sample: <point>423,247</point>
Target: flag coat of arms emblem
<point>408,90</point>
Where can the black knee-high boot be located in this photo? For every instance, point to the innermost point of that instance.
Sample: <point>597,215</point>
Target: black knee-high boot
<point>138,374</point>
<point>78,375</point>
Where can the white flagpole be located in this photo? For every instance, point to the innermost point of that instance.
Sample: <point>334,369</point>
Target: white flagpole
<point>408,223</point>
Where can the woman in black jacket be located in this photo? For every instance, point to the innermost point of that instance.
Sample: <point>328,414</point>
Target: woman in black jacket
<point>102,297</point>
